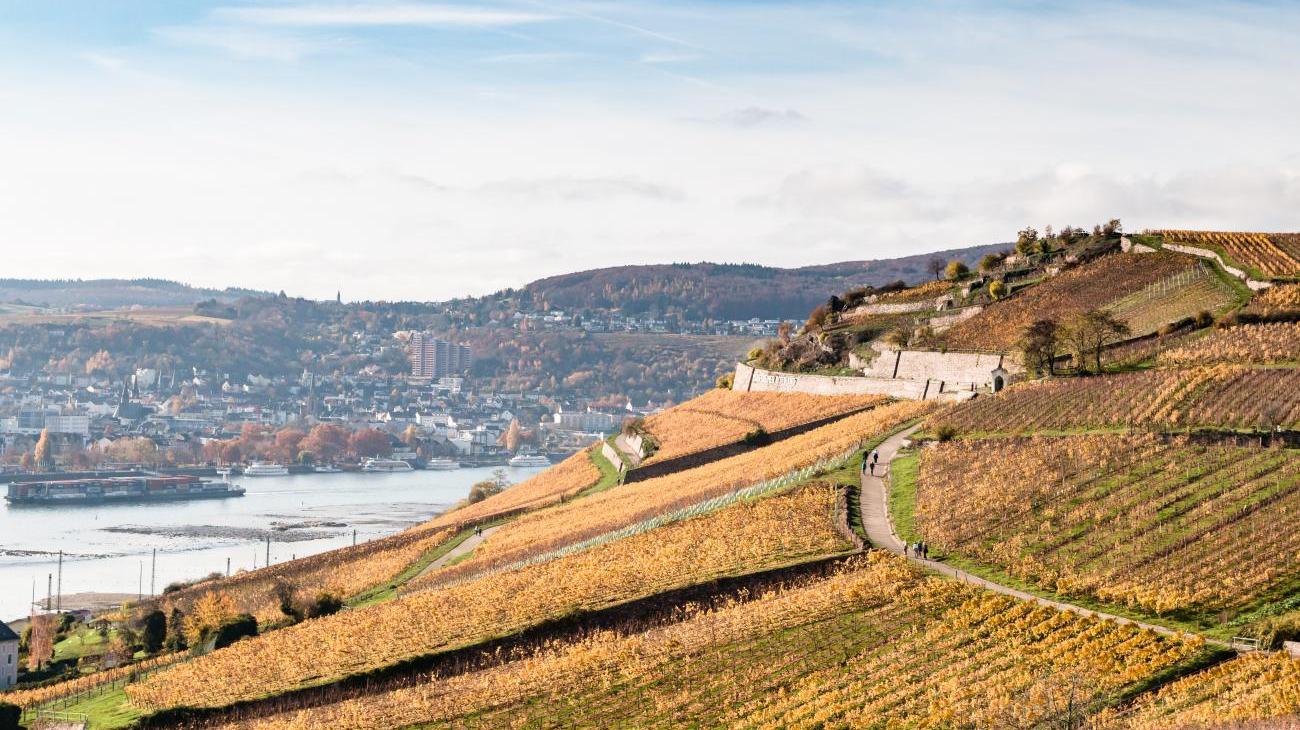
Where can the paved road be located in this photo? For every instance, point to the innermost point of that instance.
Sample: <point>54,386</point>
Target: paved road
<point>880,531</point>
<point>468,545</point>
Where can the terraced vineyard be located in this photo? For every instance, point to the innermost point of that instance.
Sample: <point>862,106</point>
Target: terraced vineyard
<point>343,572</point>
<point>1185,294</point>
<point>1210,397</point>
<point>564,480</point>
<point>566,524</point>
<point>1163,525</point>
<point>876,645</point>
<point>1117,279</point>
<point>1272,254</point>
<point>740,539</point>
<point>1264,344</point>
<point>1250,687</point>
<point>722,417</point>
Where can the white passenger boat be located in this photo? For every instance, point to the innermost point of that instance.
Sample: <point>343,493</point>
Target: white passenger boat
<point>385,465</point>
<point>327,469</point>
<point>441,463</point>
<point>261,469</point>
<point>527,460</point>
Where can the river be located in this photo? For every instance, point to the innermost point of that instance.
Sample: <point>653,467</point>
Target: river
<point>108,548</point>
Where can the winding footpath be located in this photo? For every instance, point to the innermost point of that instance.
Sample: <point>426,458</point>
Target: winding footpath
<point>880,533</point>
<point>467,545</point>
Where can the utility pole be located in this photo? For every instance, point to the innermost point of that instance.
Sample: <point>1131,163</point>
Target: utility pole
<point>153,573</point>
<point>139,590</point>
<point>59,607</point>
<point>354,537</point>
<point>268,552</point>
<point>49,591</point>
<point>227,567</point>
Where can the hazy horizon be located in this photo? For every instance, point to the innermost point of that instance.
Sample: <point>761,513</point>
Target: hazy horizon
<point>423,151</point>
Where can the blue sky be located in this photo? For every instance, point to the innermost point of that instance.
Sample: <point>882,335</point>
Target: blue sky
<point>428,150</point>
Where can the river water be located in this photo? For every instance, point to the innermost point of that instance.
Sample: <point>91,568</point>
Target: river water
<point>108,548</point>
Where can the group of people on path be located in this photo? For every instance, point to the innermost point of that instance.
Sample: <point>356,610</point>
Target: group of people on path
<point>917,550</point>
<point>869,462</point>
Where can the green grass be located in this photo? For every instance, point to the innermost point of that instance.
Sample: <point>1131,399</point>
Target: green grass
<point>106,711</point>
<point>610,476</point>
<point>387,591</point>
<point>85,641</point>
<point>903,472</point>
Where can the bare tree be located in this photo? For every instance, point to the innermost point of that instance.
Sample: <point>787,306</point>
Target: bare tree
<point>935,266</point>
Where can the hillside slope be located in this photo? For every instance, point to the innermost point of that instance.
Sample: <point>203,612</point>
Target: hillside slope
<point>733,291</point>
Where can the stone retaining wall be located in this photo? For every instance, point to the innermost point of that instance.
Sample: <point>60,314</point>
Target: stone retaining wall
<point>1206,253</point>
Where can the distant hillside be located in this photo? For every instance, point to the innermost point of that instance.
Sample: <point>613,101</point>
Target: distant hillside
<point>730,291</point>
<point>112,293</point>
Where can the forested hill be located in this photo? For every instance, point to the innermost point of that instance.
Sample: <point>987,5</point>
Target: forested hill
<point>112,293</point>
<point>729,291</point>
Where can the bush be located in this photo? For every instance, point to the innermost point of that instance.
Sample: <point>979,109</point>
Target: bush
<point>997,289</point>
<point>754,353</point>
<point>757,437</point>
<point>1273,631</point>
<point>326,604</point>
<point>239,627</point>
<point>946,432</point>
<point>9,716</point>
<point>725,381</point>
<point>153,631</point>
<point>955,270</point>
<point>1204,319</point>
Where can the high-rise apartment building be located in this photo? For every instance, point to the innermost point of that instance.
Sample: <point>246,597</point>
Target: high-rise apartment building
<point>433,358</point>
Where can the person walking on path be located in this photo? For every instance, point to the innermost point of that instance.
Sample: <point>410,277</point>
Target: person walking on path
<point>875,459</point>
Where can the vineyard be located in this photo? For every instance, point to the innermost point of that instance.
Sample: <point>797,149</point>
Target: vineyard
<point>348,571</point>
<point>1264,344</point>
<point>741,539</point>
<point>1164,525</point>
<point>343,572</point>
<point>1277,298</point>
<point>1218,396</point>
<point>722,417</point>
<point>1108,280</point>
<point>1250,687</point>
<point>875,645</point>
<point>1185,294</point>
<point>546,530</point>
<point>562,481</point>
<point>1272,254</point>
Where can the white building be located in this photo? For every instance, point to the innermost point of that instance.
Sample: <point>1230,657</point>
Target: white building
<point>8,657</point>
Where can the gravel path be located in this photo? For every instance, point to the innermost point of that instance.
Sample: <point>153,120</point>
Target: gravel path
<point>468,545</point>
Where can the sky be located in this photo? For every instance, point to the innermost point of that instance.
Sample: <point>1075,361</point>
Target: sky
<point>414,150</point>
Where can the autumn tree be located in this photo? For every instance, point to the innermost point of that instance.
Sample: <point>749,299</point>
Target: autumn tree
<point>100,363</point>
<point>40,644</point>
<point>288,442</point>
<point>44,451</point>
<point>1090,332</point>
<point>1026,241</point>
<point>997,289</point>
<point>210,612</point>
<point>1038,346</point>
<point>369,442</point>
<point>326,441</point>
<point>511,437</point>
<point>955,270</point>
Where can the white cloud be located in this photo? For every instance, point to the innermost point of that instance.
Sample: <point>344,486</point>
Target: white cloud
<point>540,57</point>
<point>376,14</point>
<point>104,61</point>
<point>756,116</point>
<point>247,43</point>
<point>670,57</point>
